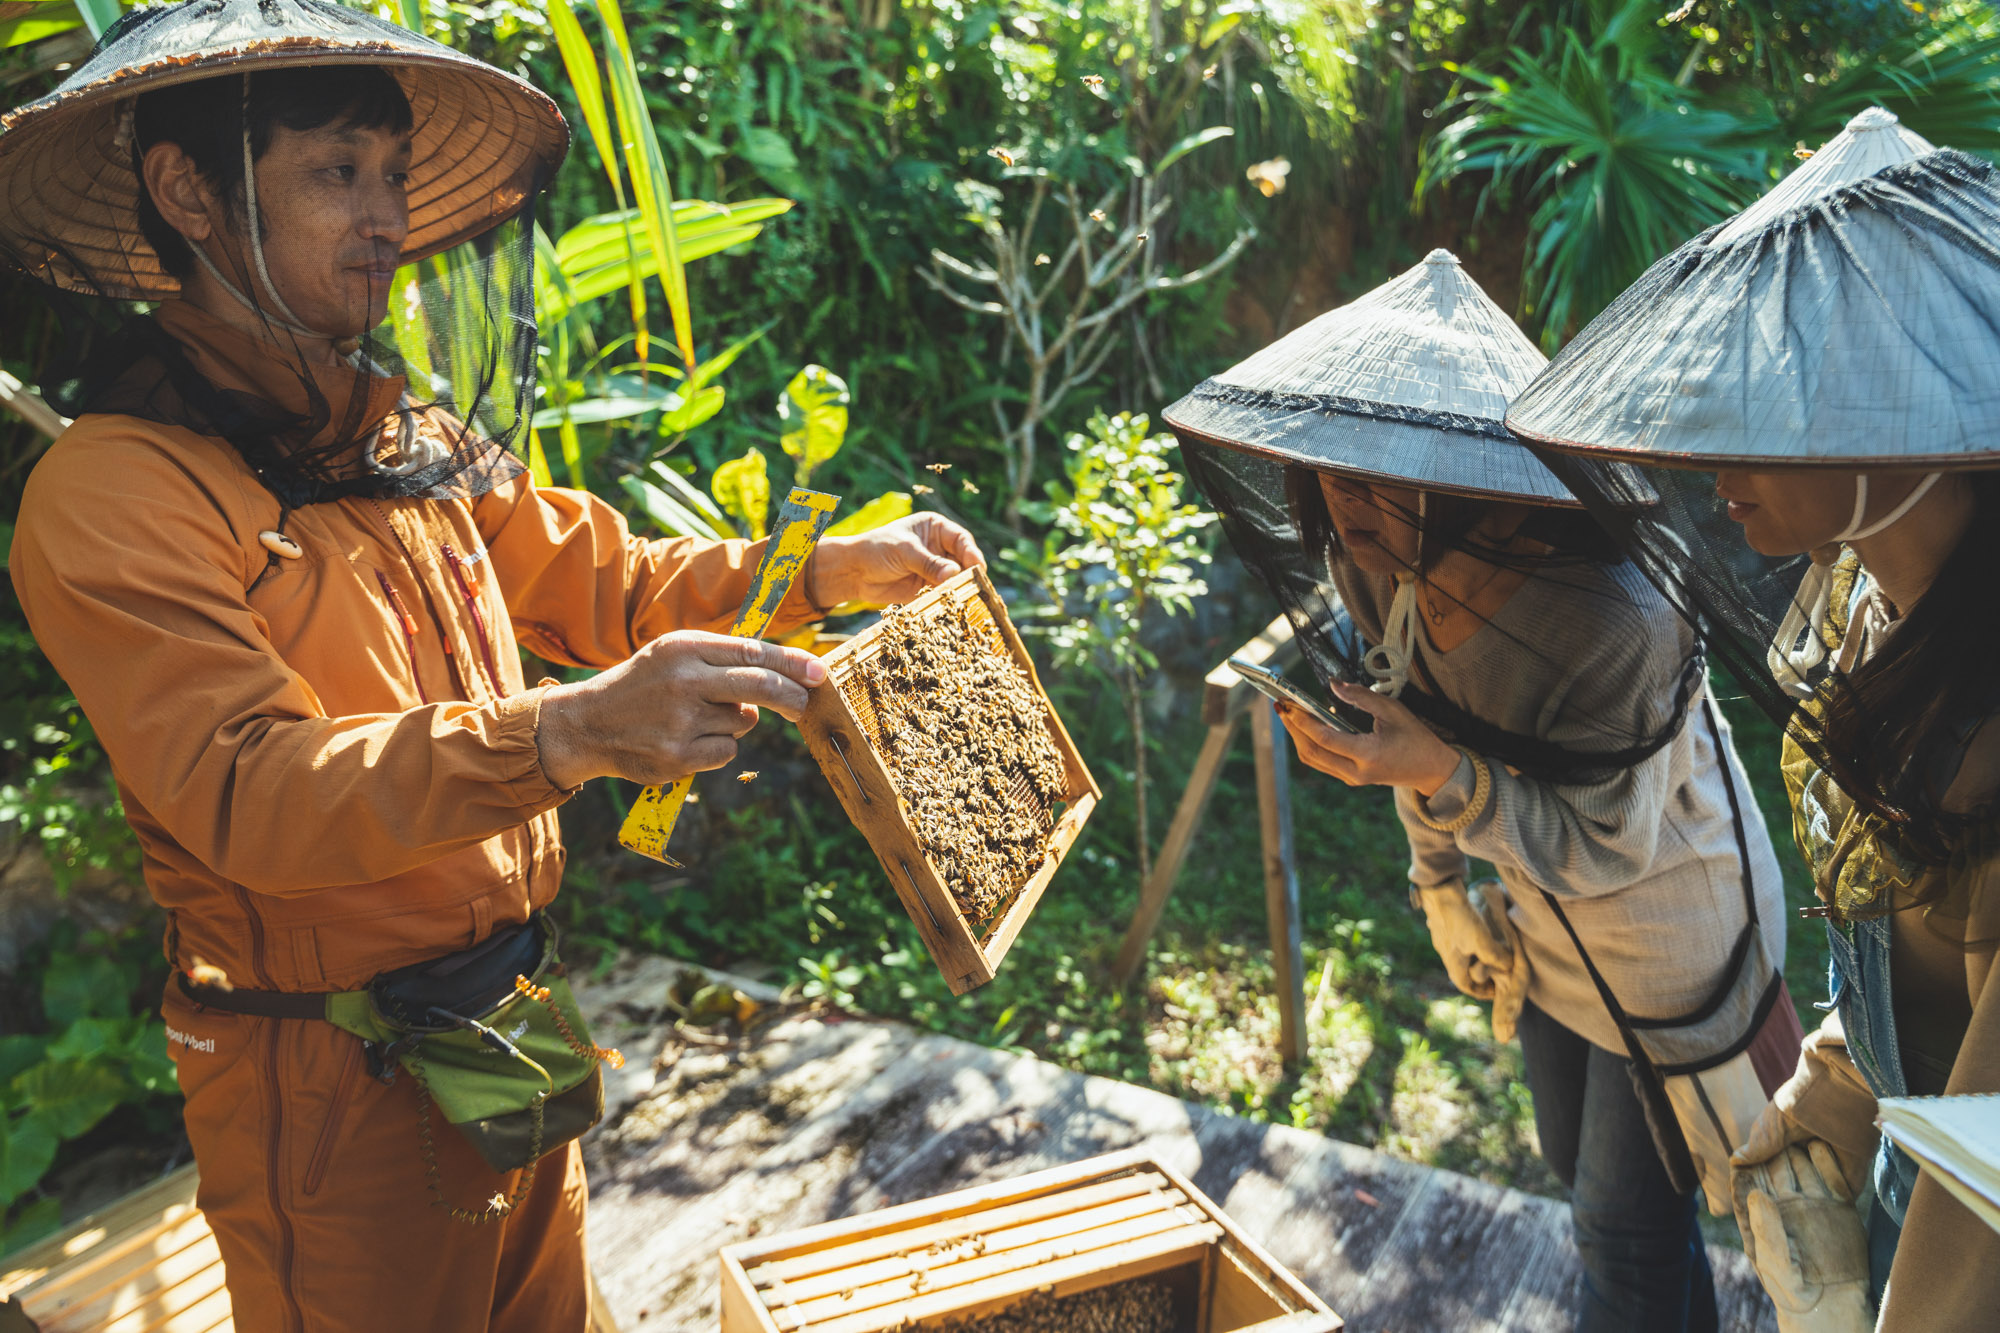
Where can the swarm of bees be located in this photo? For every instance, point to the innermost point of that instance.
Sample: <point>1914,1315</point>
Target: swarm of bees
<point>1129,1307</point>
<point>965,738</point>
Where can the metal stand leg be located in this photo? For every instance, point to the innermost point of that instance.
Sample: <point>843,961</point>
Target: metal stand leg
<point>1281,881</point>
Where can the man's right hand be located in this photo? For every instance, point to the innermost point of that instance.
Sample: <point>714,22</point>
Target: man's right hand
<point>675,708</point>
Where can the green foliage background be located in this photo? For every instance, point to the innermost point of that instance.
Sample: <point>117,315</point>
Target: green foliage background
<point>1558,145</point>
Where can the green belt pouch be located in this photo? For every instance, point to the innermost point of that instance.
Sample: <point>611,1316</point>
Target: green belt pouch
<point>509,1065</point>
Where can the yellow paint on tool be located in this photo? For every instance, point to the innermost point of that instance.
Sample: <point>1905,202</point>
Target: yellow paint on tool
<point>801,519</point>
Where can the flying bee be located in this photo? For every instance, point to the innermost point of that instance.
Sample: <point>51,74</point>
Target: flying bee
<point>922,490</point>
<point>1269,177</point>
<point>1041,260</point>
<point>748,775</point>
<point>966,482</point>
<point>1802,152</point>
<point>1143,235</point>
<point>1094,82</point>
<point>1209,73</point>
<point>1097,215</point>
<point>204,973</point>
<point>939,468</point>
<point>1006,158</point>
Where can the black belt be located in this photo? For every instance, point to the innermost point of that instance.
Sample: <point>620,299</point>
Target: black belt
<point>257,1003</point>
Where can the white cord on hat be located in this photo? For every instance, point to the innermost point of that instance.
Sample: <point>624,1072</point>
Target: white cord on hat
<point>1799,648</point>
<point>1389,661</point>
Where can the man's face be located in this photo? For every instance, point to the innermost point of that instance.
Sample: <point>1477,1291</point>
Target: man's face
<point>1800,509</point>
<point>335,206</point>
<point>1375,523</point>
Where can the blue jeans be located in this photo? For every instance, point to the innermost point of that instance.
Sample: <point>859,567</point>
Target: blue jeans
<point>1645,1269</point>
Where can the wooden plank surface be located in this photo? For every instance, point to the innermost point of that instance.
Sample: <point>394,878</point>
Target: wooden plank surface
<point>811,1119</point>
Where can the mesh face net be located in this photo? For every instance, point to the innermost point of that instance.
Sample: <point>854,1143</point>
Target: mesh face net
<point>431,400</point>
<point>1860,330</point>
<point>1277,523</point>
<point>428,404</point>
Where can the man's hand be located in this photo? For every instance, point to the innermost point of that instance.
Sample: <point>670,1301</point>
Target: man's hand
<point>675,708</point>
<point>891,564</point>
<point>1401,752</point>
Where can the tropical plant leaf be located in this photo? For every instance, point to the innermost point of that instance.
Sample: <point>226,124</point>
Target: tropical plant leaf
<point>879,512</point>
<point>668,514</point>
<point>814,405</point>
<point>1193,141</point>
<point>27,1147</point>
<point>83,986</point>
<point>38,1221</point>
<point>17,1052</point>
<point>69,1096</point>
<point>694,499</point>
<point>742,486</point>
<point>695,407</point>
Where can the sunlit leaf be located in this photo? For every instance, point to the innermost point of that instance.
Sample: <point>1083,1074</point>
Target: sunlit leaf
<point>695,407</point>
<point>1193,141</point>
<point>667,513</point>
<point>814,407</point>
<point>878,512</point>
<point>742,486</point>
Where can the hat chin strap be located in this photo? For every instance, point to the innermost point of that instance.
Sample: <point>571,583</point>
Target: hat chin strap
<point>1389,661</point>
<point>284,318</point>
<point>1799,648</point>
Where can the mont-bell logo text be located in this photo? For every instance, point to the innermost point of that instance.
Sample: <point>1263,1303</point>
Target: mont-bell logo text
<point>203,1045</point>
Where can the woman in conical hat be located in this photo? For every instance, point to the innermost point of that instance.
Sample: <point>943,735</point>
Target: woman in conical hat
<point>287,562</point>
<point>1537,705</point>
<point>1811,392</point>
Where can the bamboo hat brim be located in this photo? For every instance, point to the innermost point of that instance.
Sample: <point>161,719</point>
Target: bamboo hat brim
<point>1408,385</point>
<point>1850,318</point>
<point>483,141</point>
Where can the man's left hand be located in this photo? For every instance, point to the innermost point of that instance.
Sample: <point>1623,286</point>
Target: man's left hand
<point>891,564</point>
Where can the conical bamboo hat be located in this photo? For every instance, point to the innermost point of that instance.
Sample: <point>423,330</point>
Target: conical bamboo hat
<point>1850,317</point>
<point>484,140</point>
<point>1408,384</point>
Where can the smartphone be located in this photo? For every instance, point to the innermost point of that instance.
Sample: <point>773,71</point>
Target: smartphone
<point>1340,716</point>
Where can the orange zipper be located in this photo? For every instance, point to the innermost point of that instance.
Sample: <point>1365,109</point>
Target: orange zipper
<point>408,624</point>
<point>478,617</point>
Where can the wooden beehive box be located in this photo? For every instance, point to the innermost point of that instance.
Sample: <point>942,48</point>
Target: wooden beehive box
<point>1097,1223</point>
<point>844,735</point>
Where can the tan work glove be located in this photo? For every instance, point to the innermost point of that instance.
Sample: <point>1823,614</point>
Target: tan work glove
<point>1804,1236</point>
<point>1465,940</point>
<point>1509,985</point>
<point>1775,1131</point>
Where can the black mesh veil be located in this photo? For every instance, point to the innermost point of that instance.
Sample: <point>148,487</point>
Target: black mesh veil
<point>432,400</point>
<point>1858,329</point>
<point>1275,520</point>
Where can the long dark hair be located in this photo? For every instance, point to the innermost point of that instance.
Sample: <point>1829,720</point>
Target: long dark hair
<point>1901,720</point>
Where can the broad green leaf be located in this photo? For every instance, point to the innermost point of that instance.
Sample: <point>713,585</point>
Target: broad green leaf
<point>572,453</point>
<point>1190,143</point>
<point>538,461</point>
<point>674,484</point>
<point>620,407</point>
<point>412,14</point>
<point>878,512</point>
<point>706,372</point>
<point>97,15</point>
<point>695,408</point>
<point>27,1147</point>
<point>1220,28</point>
<point>814,406</point>
<point>742,486</point>
<point>147,1064</point>
<point>652,189</point>
<point>45,21</point>
<point>83,986</point>
<point>38,1221</point>
<point>668,514</point>
<point>18,1052</point>
<point>69,1096</point>
<point>581,64</point>
<point>87,1037</point>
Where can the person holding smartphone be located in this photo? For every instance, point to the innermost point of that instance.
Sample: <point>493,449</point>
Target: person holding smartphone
<point>1535,704</point>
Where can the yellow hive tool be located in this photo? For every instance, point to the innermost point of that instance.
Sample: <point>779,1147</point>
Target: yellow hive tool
<point>801,519</point>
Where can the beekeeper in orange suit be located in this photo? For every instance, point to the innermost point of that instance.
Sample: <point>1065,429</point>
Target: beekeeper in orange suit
<point>285,560</point>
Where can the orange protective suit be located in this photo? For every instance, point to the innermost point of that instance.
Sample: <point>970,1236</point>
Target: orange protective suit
<point>330,764</point>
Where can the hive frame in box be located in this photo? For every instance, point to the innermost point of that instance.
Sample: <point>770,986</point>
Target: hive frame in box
<point>867,793</point>
<point>1093,1224</point>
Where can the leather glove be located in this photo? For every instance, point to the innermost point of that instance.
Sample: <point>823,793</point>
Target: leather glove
<point>1463,937</point>
<point>1509,985</point>
<point>1775,1131</point>
<point>1805,1238</point>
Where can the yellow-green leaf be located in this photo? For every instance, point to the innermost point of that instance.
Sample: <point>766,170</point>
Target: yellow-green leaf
<point>878,512</point>
<point>742,486</point>
<point>814,407</point>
